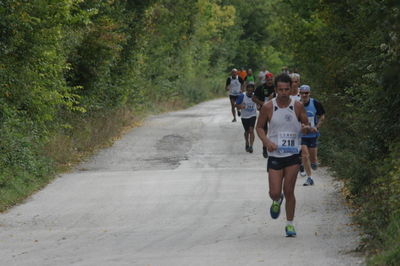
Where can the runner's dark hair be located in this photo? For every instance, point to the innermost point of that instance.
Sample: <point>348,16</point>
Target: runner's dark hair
<point>250,85</point>
<point>283,77</point>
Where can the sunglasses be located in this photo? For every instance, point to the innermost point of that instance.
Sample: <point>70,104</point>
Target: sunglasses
<point>304,92</point>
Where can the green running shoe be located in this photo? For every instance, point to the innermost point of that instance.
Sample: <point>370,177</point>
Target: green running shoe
<point>275,209</point>
<point>290,232</point>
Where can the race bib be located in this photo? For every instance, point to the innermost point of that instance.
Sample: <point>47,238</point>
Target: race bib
<point>288,142</point>
<point>250,107</point>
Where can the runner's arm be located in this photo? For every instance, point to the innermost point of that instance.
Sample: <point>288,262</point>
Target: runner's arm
<point>320,121</point>
<point>228,82</point>
<point>239,102</point>
<point>257,101</point>
<point>302,116</point>
<point>320,113</point>
<point>264,118</point>
<point>256,97</point>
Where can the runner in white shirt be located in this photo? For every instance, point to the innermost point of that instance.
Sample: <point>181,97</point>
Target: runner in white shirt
<point>234,85</point>
<point>249,114</point>
<point>261,75</point>
<point>295,94</point>
<point>287,120</point>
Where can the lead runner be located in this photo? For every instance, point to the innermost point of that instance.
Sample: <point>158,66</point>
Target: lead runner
<point>287,120</point>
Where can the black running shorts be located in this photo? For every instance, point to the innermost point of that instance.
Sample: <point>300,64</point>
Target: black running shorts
<point>309,142</point>
<point>233,97</point>
<point>277,163</point>
<point>248,123</point>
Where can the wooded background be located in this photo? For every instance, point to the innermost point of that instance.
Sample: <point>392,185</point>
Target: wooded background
<point>74,72</point>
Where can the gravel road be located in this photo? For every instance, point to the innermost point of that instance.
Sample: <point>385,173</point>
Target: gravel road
<point>179,190</point>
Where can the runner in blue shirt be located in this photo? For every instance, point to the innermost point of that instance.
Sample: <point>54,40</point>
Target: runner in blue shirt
<point>316,115</point>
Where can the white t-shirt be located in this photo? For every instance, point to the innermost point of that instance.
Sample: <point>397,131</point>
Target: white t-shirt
<point>261,76</point>
<point>235,86</point>
<point>295,97</point>
<point>250,107</point>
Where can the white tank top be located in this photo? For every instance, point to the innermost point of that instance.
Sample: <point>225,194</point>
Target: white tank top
<point>296,97</point>
<point>234,86</point>
<point>284,130</point>
<point>250,107</point>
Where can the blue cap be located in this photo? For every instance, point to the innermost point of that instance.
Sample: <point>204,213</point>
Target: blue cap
<point>305,88</point>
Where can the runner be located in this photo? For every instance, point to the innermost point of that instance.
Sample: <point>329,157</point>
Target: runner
<point>262,94</point>
<point>287,119</point>
<point>250,78</point>
<point>261,75</point>
<point>234,85</point>
<point>285,69</point>
<point>249,114</point>
<point>295,86</point>
<point>242,73</point>
<point>316,115</point>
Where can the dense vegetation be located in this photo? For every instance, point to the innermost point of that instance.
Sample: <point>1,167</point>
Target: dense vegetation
<point>74,72</point>
<point>69,67</point>
<point>349,51</point>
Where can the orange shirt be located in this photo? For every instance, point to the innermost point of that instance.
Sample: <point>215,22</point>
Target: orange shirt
<point>242,74</point>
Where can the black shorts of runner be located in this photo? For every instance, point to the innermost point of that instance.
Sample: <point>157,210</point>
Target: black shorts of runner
<point>233,97</point>
<point>309,142</point>
<point>277,163</point>
<point>248,123</point>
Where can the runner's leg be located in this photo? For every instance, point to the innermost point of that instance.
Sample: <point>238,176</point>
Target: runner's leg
<point>251,136</point>
<point>275,178</point>
<point>313,155</point>
<point>305,157</point>
<point>233,107</point>
<point>290,176</point>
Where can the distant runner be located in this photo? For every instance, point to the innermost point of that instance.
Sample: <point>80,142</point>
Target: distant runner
<point>316,115</point>
<point>295,86</point>
<point>249,114</point>
<point>234,85</point>
<point>287,120</point>
<point>262,94</point>
<point>261,75</point>
<point>242,73</point>
<point>250,78</point>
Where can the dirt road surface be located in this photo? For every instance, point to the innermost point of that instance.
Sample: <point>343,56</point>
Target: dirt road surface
<point>179,190</point>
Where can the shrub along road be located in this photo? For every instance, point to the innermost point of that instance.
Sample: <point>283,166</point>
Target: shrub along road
<point>180,190</point>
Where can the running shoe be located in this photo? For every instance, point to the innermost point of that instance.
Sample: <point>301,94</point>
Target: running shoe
<point>275,209</point>
<point>250,149</point>
<point>234,120</point>
<point>314,166</point>
<point>290,232</point>
<point>309,182</point>
<point>247,147</point>
<point>302,172</point>
<point>265,153</point>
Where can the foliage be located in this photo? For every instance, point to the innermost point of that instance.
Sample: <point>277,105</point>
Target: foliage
<point>68,65</point>
<point>348,51</point>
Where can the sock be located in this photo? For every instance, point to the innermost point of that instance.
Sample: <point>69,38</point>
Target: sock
<point>289,223</point>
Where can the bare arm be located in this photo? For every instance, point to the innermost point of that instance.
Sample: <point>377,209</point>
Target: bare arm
<point>320,121</point>
<point>302,116</point>
<point>257,101</point>
<point>263,118</point>
<point>240,106</point>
